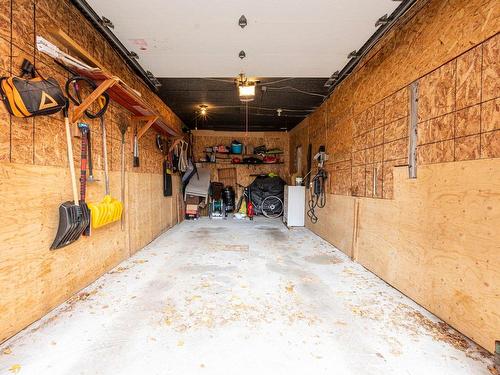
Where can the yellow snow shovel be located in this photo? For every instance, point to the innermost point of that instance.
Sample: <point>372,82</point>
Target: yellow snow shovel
<point>109,209</point>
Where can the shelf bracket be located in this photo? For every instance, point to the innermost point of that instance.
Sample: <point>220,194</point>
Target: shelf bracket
<point>150,120</point>
<point>80,110</point>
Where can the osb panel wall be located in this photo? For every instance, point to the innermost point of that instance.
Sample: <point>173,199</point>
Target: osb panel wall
<point>451,49</point>
<point>366,124</point>
<point>300,139</point>
<point>203,139</point>
<point>33,165</point>
<point>443,252</point>
<point>459,107</point>
<point>34,279</point>
<point>31,140</point>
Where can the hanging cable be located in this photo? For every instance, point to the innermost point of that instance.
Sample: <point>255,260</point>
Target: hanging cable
<point>218,80</point>
<point>278,81</point>
<point>297,90</point>
<point>264,108</point>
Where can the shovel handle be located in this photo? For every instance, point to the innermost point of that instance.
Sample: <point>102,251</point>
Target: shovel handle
<point>83,164</point>
<point>89,153</point>
<point>105,155</point>
<point>70,160</point>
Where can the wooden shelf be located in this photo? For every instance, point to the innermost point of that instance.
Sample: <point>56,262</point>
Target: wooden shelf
<point>242,164</point>
<point>118,90</point>
<point>129,99</point>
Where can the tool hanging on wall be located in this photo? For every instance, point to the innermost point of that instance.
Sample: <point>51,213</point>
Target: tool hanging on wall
<point>84,129</point>
<point>109,209</point>
<point>123,129</point>
<point>175,157</point>
<point>136,149</point>
<point>317,189</point>
<point>163,147</point>
<point>72,222</point>
<point>91,177</point>
<point>183,156</point>
<point>74,87</point>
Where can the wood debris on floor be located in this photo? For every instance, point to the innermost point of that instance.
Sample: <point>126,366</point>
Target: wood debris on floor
<point>241,297</point>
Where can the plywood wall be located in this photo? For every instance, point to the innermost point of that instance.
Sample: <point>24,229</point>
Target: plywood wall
<point>34,177</point>
<point>451,49</point>
<point>245,174</point>
<point>445,250</point>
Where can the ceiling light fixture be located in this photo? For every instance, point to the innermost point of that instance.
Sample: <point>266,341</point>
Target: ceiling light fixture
<point>247,92</point>
<point>246,88</point>
<point>203,110</point>
<point>242,54</point>
<point>242,21</point>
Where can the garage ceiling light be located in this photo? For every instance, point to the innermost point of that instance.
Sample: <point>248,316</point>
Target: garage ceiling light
<point>246,88</point>
<point>247,91</point>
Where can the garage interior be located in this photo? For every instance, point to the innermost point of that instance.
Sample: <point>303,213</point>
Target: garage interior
<point>282,187</point>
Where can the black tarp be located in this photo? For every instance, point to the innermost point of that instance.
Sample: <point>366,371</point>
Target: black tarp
<point>263,187</point>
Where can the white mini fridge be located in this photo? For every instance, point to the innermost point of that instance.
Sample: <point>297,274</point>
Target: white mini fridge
<point>294,206</point>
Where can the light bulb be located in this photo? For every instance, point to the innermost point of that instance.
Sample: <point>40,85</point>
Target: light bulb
<point>247,92</point>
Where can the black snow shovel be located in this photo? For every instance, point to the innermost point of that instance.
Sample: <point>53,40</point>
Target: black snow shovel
<point>72,221</point>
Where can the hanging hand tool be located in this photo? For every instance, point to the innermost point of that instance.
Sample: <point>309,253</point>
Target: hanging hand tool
<point>123,129</point>
<point>73,89</point>
<point>136,149</point>
<point>84,129</point>
<point>167,171</point>
<point>109,209</point>
<point>91,177</point>
<point>72,222</point>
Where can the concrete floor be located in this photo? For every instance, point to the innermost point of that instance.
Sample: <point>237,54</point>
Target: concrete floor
<point>239,297</point>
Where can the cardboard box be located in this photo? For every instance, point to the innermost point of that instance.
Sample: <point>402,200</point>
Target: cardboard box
<point>191,209</point>
<point>191,199</point>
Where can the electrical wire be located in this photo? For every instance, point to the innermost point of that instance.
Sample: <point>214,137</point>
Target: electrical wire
<point>275,115</point>
<point>258,84</point>
<point>218,80</point>
<point>297,90</point>
<point>264,108</point>
<point>274,82</point>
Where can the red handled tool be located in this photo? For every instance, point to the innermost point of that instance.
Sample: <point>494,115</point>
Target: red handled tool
<point>84,129</point>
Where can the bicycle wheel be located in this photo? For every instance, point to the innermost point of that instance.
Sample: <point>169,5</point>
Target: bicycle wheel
<point>272,207</point>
